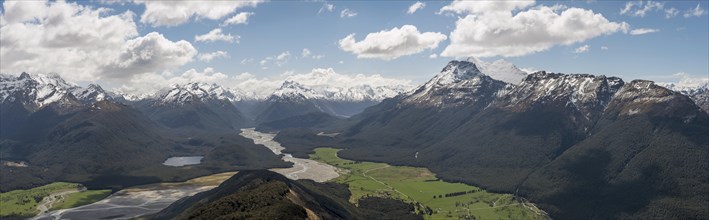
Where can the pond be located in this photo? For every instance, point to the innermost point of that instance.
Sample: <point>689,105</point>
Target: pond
<point>183,161</point>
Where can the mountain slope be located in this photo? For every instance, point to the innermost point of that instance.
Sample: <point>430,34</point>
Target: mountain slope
<point>268,195</point>
<point>468,127</point>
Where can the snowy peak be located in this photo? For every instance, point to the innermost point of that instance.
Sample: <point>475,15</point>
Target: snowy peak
<point>457,71</point>
<point>500,70</point>
<point>459,83</point>
<point>582,92</point>
<point>193,92</point>
<point>91,94</point>
<point>293,90</point>
<point>36,91</point>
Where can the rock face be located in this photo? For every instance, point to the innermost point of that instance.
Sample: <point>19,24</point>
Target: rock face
<point>549,138</point>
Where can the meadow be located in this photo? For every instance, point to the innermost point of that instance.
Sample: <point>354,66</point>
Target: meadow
<point>436,198</point>
<point>23,203</point>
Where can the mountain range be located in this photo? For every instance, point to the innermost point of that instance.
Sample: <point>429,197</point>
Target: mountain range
<point>580,146</point>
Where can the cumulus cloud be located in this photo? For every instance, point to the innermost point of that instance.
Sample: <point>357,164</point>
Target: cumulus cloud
<point>240,18</point>
<point>207,57</point>
<point>216,35</point>
<point>489,29</point>
<point>73,40</point>
<point>694,12</point>
<point>582,49</point>
<point>641,31</point>
<point>415,7</point>
<point>640,8</point>
<point>150,53</point>
<point>305,53</point>
<point>392,44</point>
<point>173,13</point>
<point>347,13</point>
<point>433,56</point>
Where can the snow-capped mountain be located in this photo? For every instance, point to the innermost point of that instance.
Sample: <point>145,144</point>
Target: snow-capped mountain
<point>295,91</point>
<point>582,92</point>
<point>199,106</point>
<point>91,94</point>
<point>39,90</point>
<point>499,70</point>
<point>459,83</point>
<point>180,94</point>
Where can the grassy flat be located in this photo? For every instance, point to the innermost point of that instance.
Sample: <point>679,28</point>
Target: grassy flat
<point>81,198</point>
<point>23,203</point>
<point>420,186</point>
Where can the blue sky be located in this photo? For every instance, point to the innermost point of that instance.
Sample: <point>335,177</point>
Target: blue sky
<point>678,45</point>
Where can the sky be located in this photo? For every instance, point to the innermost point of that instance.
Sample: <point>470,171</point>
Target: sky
<point>140,46</point>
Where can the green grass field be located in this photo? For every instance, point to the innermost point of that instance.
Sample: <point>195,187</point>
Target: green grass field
<point>23,203</point>
<point>421,187</point>
<point>81,198</point>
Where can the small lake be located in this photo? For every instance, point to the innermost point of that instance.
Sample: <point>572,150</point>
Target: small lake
<point>183,161</point>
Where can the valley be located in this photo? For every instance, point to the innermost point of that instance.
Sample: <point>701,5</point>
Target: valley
<point>302,168</point>
<point>418,186</point>
<point>443,200</point>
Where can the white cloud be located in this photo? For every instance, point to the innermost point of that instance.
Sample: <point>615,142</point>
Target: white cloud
<point>347,13</point>
<point>240,18</point>
<point>172,13</point>
<point>694,12</point>
<point>582,49</point>
<point>415,7</point>
<point>479,7</point>
<point>216,35</point>
<point>671,12</point>
<point>392,44</point>
<point>247,60</point>
<point>640,8</point>
<point>326,7</point>
<point>207,57</point>
<point>491,29</point>
<point>76,41</point>
<point>279,59</point>
<point>641,31</point>
<point>306,53</point>
<point>150,53</point>
<point>604,48</point>
<point>433,56</point>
